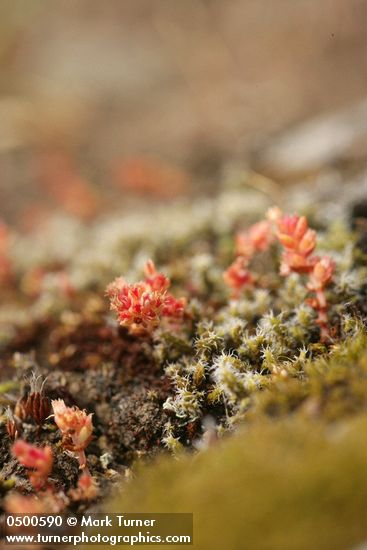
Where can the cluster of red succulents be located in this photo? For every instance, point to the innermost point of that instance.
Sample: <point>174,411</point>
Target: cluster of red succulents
<point>38,460</point>
<point>76,428</point>
<point>144,304</point>
<point>298,242</point>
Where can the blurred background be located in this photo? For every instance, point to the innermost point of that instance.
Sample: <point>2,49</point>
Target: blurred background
<point>101,101</point>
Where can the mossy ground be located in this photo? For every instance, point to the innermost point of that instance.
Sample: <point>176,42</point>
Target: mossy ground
<point>290,484</point>
<point>265,422</point>
<point>295,477</point>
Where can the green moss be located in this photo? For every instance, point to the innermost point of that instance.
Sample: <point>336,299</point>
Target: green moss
<point>255,362</point>
<point>294,476</point>
<point>291,484</point>
<point>337,237</point>
<point>329,388</point>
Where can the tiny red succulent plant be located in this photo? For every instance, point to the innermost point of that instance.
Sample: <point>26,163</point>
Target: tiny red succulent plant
<point>257,239</point>
<point>76,428</point>
<point>237,275</point>
<point>145,303</point>
<point>320,277</point>
<point>298,241</point>
<point>38,460</point>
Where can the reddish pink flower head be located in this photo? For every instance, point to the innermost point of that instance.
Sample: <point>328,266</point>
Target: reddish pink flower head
<point>38,459</point>
<point>173,307</point>
<point>156,281</point>
<point>146,302</point>
<point>136,304</point>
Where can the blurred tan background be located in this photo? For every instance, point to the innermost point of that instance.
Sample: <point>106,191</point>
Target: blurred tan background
<point>156,97</point>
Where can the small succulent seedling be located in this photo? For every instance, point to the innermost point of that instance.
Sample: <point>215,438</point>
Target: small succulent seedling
<point>36,459</point>
<point>76,428</point>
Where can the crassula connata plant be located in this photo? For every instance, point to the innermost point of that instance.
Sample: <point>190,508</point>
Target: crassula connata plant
<point>37,460</point>
<point>76,428</point>
<point>144,304</point>
<point>298,243</point>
